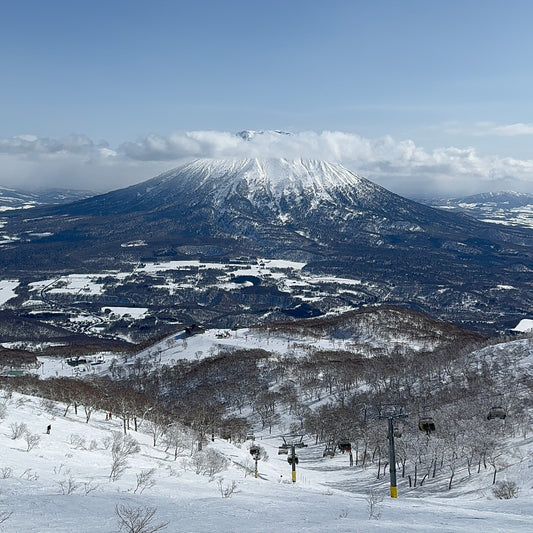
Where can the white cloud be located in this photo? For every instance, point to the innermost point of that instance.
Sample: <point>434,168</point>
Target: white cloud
<point>181,145</point>
<point>31,144</point>
<point>511,130</point>
<point>487,129</point>
<point>400,165</point>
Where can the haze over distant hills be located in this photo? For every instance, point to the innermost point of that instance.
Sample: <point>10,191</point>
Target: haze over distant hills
<point>18,199</point>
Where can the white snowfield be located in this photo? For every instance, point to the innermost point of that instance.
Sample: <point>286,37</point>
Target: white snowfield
<point>265,181</point>
<point>62,485</point>
<point>7,290</point>
<point>524,325</point>
<point>275,174</point>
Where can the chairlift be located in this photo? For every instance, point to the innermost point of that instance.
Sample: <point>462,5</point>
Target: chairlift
<point>255,450</point>
<point>397,432</point>
<point>297,444</point>
<point>426,424</point>
<point>284,449</point>
<point>344,446</point>
<point>292,459</point>
<point>496,411</point>
<point>328,452</point>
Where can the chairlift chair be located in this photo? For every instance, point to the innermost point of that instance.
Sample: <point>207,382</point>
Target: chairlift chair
<point>496,411</point>
<point>426,424</point>
<point>254,450</point>
<point>284,449</point>
<point>328,452</point>
<point>344,446</point>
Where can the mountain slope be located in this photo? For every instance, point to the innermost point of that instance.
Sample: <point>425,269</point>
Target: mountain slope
<point>310,202</point>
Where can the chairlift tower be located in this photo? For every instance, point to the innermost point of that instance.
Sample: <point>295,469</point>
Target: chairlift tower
<point>255,452</point>
<point>393,412</point>
<point>292,458</point>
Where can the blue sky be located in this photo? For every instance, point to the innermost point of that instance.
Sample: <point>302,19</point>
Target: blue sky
<point>432,95</point>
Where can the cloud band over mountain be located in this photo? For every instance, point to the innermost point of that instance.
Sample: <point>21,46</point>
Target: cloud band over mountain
<point>76,161</point>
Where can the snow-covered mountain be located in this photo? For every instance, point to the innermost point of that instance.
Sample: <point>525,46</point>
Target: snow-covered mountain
<point>311,199</point>
<point>310,211</point>
<point>505,207</point>
<point>248,135</point>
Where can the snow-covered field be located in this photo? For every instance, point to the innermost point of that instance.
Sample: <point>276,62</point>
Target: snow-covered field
<point>7,290</point>
<point>91,284</point>
<point>63,485</point>
<point>524,325</point>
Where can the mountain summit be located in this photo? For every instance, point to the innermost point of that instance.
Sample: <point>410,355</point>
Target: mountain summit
<point>265,183</point>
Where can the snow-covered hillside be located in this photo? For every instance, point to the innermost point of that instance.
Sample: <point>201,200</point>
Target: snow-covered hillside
<point>61,482</point>
<point>11,199</point>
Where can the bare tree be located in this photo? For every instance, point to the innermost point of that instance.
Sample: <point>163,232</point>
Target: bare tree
<point>178,438</point>
<point>68,486</point>
<point>157,424</point>
<point>32,440</point>
<point>121,449</point>
<point>234,428</point>
<point>3,407</point>
<point>227,490</point>
<point>137,519</point>
<point>18,429</point>
<point>6,472</point>
<point>265,406</point>
<point>496,460</point>
<point>203,418</point>
<point>505,490</point>
<point>64,390</point>
<point>5,515</point>
<point>90,396</point>
<point>145,480</point>
<point>209,462</point>
<point>373,500</point>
